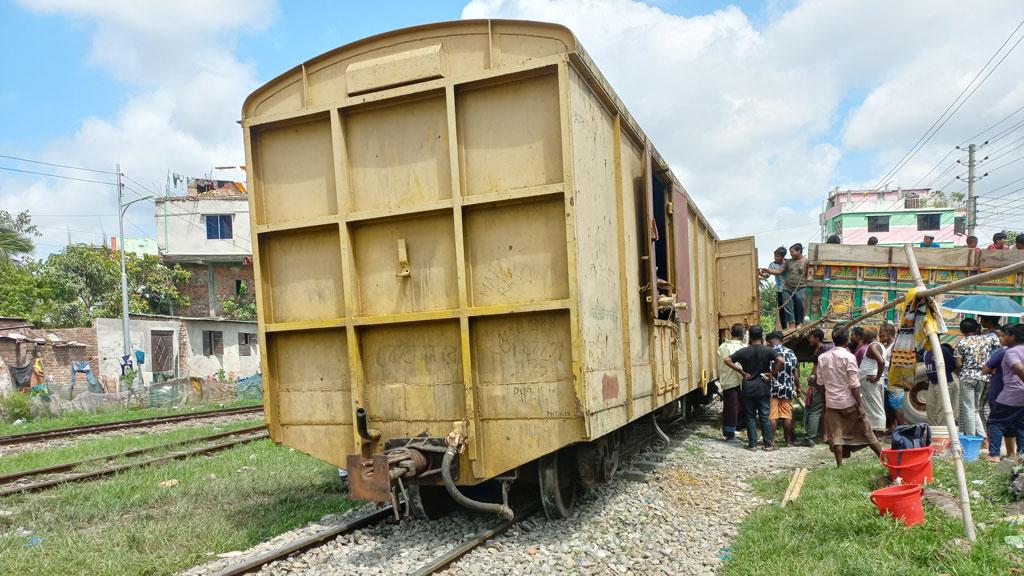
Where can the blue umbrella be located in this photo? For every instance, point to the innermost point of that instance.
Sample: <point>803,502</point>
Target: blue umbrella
<point>985,305</point>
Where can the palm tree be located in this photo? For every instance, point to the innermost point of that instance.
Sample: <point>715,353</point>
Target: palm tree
<point>11,244</point>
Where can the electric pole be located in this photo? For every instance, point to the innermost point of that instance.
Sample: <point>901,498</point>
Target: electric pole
<point>124,274</point>
<point>971,213</point>
<point>122,207</point>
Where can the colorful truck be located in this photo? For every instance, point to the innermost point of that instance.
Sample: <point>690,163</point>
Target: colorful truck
<point>846,281</point>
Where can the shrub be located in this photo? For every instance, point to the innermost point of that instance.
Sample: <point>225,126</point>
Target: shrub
<point>14,406</point>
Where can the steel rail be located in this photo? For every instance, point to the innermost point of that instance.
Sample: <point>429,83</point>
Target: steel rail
<point>79,477</point>
<point>312,541</point>
<point>120,425</point>
<point>451,556</point>
<point>67,467</point>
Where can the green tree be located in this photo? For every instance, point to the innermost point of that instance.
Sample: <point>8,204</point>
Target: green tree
<point>12,245</point>
<point>84,282</point>
<point>20,222</point>
<point>240,307</point>
<point>19,293</point>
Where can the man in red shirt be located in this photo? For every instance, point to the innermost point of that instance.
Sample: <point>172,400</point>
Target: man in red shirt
<point>999,242</point>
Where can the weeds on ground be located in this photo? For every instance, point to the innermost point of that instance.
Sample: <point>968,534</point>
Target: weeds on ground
<point>130,524</point>
<point>834,529</point>
<point>14,406</point>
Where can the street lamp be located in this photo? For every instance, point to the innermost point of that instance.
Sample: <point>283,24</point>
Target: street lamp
<point>122,208</point>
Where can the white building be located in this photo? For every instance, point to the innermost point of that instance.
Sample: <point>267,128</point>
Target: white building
<point>207,233</point>
<point>179,347</point>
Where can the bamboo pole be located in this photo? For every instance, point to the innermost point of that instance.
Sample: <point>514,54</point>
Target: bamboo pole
<point>969,281</point>
<point>947,406</point>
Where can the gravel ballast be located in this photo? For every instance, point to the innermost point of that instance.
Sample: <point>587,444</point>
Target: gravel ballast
<point>679,521</point>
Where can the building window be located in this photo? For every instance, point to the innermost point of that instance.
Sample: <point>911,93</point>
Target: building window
<point>218,226</point>
<point>960,225</point>
<point>239,285</point>
<point>878,223</point>
<point>213,343</point>
<point>929,221</point>
<point>246,341</point>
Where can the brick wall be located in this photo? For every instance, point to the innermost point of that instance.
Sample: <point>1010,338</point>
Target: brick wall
<point>56,362</point>
<point>198,287</point>
<point>198,292</point>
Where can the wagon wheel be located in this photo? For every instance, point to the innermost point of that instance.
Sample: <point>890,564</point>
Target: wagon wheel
<point>429,502</point>
<point>557,486</point>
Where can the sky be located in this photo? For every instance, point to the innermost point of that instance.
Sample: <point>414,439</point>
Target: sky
<point>759,107</point>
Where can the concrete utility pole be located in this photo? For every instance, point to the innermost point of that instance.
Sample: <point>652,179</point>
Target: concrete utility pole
<point>124,274</point>
<point>122,208</point>
<point>971,212</point>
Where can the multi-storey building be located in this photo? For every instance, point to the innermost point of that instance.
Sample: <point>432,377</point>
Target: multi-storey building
<point>206,231</point>
<point>895,217</point>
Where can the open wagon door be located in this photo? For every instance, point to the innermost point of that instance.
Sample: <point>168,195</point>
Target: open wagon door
<point>738,296</point>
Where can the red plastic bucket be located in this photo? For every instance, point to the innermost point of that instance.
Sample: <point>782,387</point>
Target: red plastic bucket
<point>913,465</point>
<point>903,502</point>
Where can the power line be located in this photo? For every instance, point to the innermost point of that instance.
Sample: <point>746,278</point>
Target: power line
<point>1000,121</point>
<point>937,164</point>
<point>56,165</point>
<point>1017,159</point>
<point>947,114</point>
<point>56,176</point>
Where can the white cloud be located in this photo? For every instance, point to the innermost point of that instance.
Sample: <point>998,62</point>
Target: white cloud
<point>185,91</point>
<point>753,118</point>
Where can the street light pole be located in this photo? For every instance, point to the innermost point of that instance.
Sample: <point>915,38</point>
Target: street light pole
<point>124,274</point>
<point>122,208</point>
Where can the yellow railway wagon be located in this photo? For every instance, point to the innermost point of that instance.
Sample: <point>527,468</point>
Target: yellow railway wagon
<point>467,247</point>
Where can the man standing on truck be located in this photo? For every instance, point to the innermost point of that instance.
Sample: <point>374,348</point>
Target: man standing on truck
<point>784,387</point>
<point>846,425</point>
<point>759,365</point>
<point>998,242</point>
<point>793,283</point>
<point>814,407</point>
<point>775,269</point>
<point>730,382</point>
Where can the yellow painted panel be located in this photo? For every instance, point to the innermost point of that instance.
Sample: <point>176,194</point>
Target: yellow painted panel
<point>311,368</point>
<point>516,253</point>
<point>413,372</point>
<point>329,443</point>
<point>302,275</point>
<point>511,443</point>
<point>429,248</point>
<point>597,255</point>
<point>296,173</point>
<point>518,48</point>
<point>522,365</point>
<point>510,135</point>
<point>405,67</point>
<point>398,155</point>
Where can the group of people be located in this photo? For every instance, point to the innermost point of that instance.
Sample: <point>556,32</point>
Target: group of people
<point>849,402</point>
<point>1000,241</point>
<point>790,279</point>
<point>988,388</point>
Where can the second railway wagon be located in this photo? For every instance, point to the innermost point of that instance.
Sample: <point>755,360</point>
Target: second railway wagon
<point>471,263</point>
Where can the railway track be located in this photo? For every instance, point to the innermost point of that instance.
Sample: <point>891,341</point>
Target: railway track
<point>15,482</point>
<point>632,446</point>
<point>121,425</point>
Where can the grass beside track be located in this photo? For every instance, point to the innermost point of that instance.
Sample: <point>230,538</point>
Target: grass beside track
<point>83,419</point>
<point>93,448</point>
<point>128,524</point>
<point>834,529</point>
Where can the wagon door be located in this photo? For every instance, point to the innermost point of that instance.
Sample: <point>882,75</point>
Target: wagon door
<point>738,297</point>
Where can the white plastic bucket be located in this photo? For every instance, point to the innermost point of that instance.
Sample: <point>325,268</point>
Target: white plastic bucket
<point>940,438</point>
